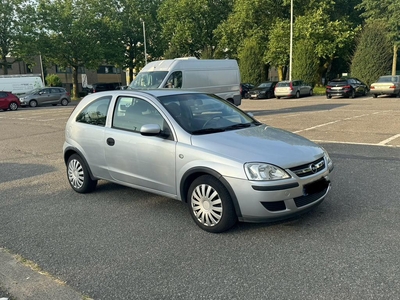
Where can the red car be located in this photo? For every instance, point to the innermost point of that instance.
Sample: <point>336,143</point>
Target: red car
<point>9,101</point>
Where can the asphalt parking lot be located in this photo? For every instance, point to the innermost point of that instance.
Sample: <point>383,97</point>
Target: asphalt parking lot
<point>120,243</point>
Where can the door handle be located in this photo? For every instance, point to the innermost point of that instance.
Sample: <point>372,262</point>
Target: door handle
<point>110,142</point>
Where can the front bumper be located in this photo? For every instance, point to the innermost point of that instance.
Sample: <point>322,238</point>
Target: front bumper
<point>266,201</point>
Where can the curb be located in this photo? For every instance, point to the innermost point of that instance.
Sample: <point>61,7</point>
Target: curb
<point>23,282</point>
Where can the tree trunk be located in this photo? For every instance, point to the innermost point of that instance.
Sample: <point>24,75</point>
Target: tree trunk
<point>75,82</point>
<point>280,73</point>
<point>394,65</point>
<point>4,64</point>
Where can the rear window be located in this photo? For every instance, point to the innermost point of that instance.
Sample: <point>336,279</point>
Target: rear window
<point>388,79</point>
<point>283,84</point>
<point>337,82</point>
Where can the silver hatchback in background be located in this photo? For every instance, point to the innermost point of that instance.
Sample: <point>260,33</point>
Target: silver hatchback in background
<point>196,148</point>
<point>295,88</point>
<point>47,95</point>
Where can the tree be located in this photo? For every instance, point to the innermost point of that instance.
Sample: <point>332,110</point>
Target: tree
<point>250,61</point>
<point>278,47</point>
<point>305,62</point>
<point>78,34</point>
<point>16,32</point>
<point>386,11</point>
<point>188,26</point>
<point>372,56</point>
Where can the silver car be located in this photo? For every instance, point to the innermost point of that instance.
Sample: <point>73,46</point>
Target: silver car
<point>47,95</point>
<point>294,88</point>
<point>196,148</point>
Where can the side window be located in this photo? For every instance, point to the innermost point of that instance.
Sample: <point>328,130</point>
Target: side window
<point>174,80</point>
<point>95,113</point>
<point>132,113</point>
<point>3,95</point>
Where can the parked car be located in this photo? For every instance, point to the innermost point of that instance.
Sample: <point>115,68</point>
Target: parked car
<point>386,85</point>
<point>47,95</point>
<point>346,87</point>
<point>264,91</point>
<point>295,88</point>
<point>196,148</point>
<point>101,87</point>
<point>9,101</point>
<point>244,90</point>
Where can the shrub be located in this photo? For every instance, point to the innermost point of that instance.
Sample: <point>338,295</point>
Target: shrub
<point>372,56</point>
<point>53,80</point>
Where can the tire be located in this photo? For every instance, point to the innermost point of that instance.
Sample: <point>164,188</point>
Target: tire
<point>33,103</point>
<point>210,204</point>
<point>297,94</point>
<point>78,175</point>
<point>13,106</point>
<point>64,102</point>
<point>277,97</point>
<point>311,92</point>
<point>352,95</point>
<point>328,96</point>
<point>374,95</point>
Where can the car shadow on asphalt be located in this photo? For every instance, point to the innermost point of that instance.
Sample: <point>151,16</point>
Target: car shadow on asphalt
<point>320,107</point>
<point>15,171</point>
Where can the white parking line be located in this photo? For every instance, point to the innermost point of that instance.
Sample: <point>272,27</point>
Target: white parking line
<point>354,143</point>
<point>345,119</point>
<point>389,139</point>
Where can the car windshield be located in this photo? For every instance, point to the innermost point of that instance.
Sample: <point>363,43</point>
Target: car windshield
<point>204,114</point>
<point>388,79</point>
<point>264,85</point>
<point>148,80</point>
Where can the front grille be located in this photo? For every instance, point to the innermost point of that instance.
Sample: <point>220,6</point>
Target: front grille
<point>310,168</point>
<point>274,206</point>
<point>312,192</point>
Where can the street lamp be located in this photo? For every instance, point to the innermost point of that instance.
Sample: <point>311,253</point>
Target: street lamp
<point>291,41</point>
<point>144,38</point>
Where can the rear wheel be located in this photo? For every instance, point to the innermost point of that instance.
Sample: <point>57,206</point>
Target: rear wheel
<point>64,102</point>
<point>297,94</point>
<point>311,92</point>
<point>210,204</point>
<point>328,96</point>
<point>13,106</point>
<point>352,94</point>
<point>374,95</point>
<point>33,103</point>
<point>78,175</point>
<point>277,97</point>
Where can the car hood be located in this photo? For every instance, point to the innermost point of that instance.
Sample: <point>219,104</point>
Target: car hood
<point>261,144</point>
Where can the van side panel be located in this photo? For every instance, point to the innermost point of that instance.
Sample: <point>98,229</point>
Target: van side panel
<point>215,76</point>
<point>20,84</point>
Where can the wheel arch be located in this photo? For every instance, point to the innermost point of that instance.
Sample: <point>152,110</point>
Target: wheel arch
<point>194,173</point>
<point>71,151</point>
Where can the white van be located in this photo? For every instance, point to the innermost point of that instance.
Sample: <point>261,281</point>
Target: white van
<point>214,76</point>
<point>20,84</point>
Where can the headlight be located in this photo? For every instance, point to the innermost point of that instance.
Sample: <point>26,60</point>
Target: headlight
<point>328,159</point>
<point>263,171</point>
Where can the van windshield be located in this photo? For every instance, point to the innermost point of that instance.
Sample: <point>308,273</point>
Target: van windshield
<point>148,80</point>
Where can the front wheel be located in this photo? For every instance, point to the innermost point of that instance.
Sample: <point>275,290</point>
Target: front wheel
<point>353,94</point>
<point>33,103</point>
<point>78,175</point>
<point>297,94</point>
<point>210,204</point>
<point>13,106</point>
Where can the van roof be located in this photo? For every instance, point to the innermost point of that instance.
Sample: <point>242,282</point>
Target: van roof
<point>191,63</point>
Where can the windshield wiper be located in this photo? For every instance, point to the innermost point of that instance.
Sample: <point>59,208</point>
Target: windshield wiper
<point>238,126</point>
<point>207,130</point>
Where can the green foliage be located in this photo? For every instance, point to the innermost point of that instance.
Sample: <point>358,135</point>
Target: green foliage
<point>16,32</point>
<point>188,26</point>
<point>53,80</point>
<point>252,69</point>
<point>372,57</point>
<point>305,62</point>
<point>279,42</point>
